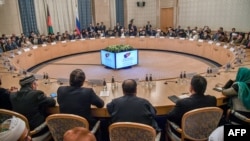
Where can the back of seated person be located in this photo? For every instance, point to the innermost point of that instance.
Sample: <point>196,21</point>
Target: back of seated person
<point>239,94</point>
<point>130,108</point>
<point>75,99</point>
<point>197,99</point>
<point>14,129</point>
<point>31,102</point>
<point>217,134</point>
<point>78,134</point>
<point>5,99</point>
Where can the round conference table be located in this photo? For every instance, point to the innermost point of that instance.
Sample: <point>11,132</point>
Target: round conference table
<point>15,62</point>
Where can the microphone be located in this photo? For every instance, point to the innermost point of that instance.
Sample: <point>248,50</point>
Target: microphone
<point>166,82</point>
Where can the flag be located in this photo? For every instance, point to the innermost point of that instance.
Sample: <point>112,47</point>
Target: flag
<point>77,22</point>
<point>49,23</point>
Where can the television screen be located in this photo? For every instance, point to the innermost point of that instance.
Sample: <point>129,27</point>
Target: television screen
<point>126,59</point>
<point>108,59</point>
<point>119,60</point>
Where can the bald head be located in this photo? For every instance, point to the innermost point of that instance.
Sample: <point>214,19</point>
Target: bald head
<point>129,87</point>
<point>78,134</point>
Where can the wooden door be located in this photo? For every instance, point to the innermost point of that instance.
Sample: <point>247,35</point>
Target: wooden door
<point>167,18</point>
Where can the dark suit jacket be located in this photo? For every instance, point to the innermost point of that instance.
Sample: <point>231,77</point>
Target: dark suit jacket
<point>5,99</point>
<point>193,102</point>
<point>31,103</point>
<point>78,101</point>
<point>132,109</point>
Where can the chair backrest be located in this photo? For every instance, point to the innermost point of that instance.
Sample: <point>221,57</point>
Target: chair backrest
<point>199,123</point>
<point>59,123</point>
<point>6,114</point>
<point>128,131</point>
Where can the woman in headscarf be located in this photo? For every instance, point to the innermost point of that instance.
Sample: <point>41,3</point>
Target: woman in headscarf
<point>239,94</point>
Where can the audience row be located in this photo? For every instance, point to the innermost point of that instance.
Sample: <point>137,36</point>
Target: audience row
<point>205,33</point>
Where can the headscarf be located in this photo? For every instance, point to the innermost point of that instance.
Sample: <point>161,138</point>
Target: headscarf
<point>243,81</point>
<point>12,129</point>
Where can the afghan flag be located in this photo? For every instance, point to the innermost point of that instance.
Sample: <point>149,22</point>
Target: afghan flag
<point>49,23</point>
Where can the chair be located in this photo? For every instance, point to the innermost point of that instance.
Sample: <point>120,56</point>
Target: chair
<point>6,114</point>
<point>238,115</point>
<point>128,131</point>
<point>197,124</point>
<point>60,123</point>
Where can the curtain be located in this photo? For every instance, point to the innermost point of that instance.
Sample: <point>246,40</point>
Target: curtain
<point>120,12</point>
<point>85,14</point>
<point>62,13</point>
<point>112,13</point>
<point>28,17</point>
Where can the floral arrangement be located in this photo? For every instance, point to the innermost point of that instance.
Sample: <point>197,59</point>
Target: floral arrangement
<point>118,48</point>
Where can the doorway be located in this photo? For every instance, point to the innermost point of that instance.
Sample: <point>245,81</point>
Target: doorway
<point>167,18</point>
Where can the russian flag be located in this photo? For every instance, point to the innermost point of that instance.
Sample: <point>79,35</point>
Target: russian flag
<point>77,22</point>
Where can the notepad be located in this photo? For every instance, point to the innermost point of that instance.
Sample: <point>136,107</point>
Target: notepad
<point>104,93</point>
<point>173,98</point>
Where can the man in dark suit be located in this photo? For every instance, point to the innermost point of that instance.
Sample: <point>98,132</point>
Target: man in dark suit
<point>75,99</point>
<point>32,103</point>
<point>130,108</point>
<point>5,99</point>
<point>197,99</point>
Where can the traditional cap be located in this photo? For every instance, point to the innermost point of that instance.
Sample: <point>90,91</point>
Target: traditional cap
<point>27,80</point>
<point>12,129</point>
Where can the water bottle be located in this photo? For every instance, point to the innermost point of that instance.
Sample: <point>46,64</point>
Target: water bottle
<point>146,80</point>
<point>208,70</point>
<point>150,78</point>
<point>104,85</point>
<point>113,82</point>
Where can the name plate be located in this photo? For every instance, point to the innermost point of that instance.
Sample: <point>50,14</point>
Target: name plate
<point>231,49</point>
<point>200,40</point>
<point>210,42</point>
<point>53,43</point>
<point>26,49</point>
<point>104,93</point>
<point>217,44</point>
<point>19,52</point>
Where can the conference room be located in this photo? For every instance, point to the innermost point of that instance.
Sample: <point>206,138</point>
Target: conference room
<point>167,42</point>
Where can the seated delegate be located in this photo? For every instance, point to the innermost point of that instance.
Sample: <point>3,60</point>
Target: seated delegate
<point>130,108</point>
<point>239,94</point>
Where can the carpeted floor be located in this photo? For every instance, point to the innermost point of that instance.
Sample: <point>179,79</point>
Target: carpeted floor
<point>162,65</point>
